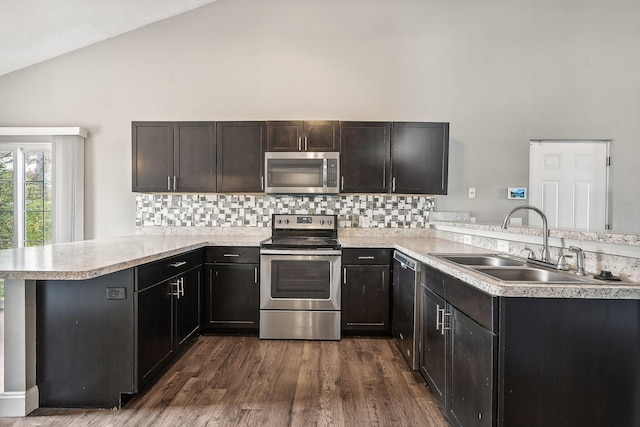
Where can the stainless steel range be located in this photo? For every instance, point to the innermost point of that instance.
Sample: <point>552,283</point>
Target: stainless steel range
<point>300,278</point>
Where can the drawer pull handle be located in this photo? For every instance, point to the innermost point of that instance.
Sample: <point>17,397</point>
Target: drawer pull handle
<point>366,257</point>
<point>178,264</point>
<point>231,255</point>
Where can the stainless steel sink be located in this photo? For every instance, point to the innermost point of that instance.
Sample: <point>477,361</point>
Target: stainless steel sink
<point>490,260</point>
<point>528,275</point>
<point>510,270</point>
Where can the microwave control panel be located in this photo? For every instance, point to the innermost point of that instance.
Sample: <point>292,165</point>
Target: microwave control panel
<point>332,172</point>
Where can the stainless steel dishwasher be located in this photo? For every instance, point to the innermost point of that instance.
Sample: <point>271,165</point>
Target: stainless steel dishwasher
<point>404,314</point>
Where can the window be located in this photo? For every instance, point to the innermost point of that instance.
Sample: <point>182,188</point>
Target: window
<point>25,195</point>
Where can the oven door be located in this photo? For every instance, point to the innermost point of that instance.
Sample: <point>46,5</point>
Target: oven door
<point>306,279</point>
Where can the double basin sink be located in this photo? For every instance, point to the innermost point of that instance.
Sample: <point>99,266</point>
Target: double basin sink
<point>511,270</point>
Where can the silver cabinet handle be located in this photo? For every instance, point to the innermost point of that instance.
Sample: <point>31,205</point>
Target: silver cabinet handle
<point>393,184</point>
<point>231,255</point>
<point>168,183</point>
<point>174,183</point>
<point>437,317</point>
<point>299,143</point>
<point>255,275</point>
<point>306,145</point>
<point>177,264</point>
<point>344,275</point>
<point>181,292</point>
<point>366,257</point>
<point>262,182</point>
<point>342,182</point>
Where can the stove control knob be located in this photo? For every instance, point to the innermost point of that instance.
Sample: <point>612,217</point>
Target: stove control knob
<point>286,221</point>
<point>329,222</point>
<point>279,221</point>
<point>322,222</point>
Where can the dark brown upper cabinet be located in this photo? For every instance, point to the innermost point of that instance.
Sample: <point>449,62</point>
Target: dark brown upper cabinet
<point>174,156</point>
<point>315,135</point>
<point>419,158</point>
<point>241,147</point>
<point>152,156</point>
<point>365,157</point>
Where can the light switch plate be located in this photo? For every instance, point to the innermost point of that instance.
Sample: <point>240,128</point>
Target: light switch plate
<point>472,192</point>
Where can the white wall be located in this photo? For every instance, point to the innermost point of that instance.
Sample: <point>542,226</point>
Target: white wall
<point>501,72</point>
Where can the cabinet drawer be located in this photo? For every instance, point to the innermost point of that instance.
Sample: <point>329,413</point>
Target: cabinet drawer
<point>158,271</point>
<point>232,255</point>
<point>480,306</point>
<point>377,256</point>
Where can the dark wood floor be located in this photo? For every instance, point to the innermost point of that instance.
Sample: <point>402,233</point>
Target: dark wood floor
<point>244,381</point>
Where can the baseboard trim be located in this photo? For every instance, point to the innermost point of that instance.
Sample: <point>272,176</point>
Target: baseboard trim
<point>19,403</point>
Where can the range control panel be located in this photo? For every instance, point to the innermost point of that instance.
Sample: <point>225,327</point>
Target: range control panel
<point>304,222</point>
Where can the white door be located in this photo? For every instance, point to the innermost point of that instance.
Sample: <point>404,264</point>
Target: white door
<point>568,180</point>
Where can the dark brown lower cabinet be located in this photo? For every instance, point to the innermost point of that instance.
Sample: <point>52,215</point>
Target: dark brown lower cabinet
<point>101,340</point>
<point>232,290</point>
<point>458,354</point>
<point>366,274</point>
<point>529,362</point>
<point>168,307</point>
<point>433,345</point>
<point>472,376</point>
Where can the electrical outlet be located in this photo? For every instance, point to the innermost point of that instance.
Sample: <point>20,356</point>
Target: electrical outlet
<point>503,246</point>
<point>116,293</point>
<point>466,239</point>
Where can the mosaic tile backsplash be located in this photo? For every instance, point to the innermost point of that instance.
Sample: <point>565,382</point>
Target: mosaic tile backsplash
<point>233,210</point>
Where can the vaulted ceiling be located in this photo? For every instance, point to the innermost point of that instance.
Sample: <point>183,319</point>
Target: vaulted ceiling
<point>33,31</point>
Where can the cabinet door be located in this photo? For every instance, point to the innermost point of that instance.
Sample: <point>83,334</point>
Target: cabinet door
<point>365,298</point>
<point>365,156</point>
<point>284,136</point>
<point>152,156</point>
<point>433,348</point>
<point>155,328</point>
<point>420,158</point>
<point>473,372</point>
<point>232,296</point>
<point>240,147</point>
<point>321,135</point>
<point>188,305</point>
<point>195,156</point>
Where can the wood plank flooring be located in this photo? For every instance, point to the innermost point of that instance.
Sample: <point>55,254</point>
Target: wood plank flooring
<point>244,381</point>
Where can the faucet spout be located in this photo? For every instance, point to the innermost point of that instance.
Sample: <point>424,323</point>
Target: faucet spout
<point>546,255</point>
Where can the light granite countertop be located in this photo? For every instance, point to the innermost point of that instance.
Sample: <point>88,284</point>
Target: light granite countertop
<point>93,258</point>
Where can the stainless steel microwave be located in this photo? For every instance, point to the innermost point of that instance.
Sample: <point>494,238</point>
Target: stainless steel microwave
<point>302,172</point>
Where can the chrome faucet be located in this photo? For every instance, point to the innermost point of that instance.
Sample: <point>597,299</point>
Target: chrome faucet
<point>545,226</point>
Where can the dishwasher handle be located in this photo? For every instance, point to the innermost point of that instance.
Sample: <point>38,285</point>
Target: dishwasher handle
<point>406,262</point>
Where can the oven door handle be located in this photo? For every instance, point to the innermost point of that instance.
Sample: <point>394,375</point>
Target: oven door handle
<point>309,252</point>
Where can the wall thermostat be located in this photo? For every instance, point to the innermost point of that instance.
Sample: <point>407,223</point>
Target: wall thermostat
<point>518,193</point>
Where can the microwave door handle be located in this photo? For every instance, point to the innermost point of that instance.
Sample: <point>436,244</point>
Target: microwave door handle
<point>324,172</point>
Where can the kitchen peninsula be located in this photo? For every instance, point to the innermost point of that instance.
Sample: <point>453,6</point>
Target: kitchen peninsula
<point>84,261</point>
